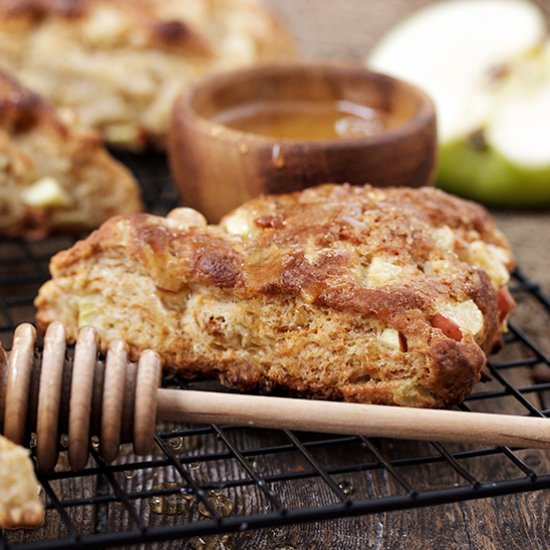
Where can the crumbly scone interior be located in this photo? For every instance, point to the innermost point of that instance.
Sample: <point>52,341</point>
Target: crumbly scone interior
<point>288,344</point>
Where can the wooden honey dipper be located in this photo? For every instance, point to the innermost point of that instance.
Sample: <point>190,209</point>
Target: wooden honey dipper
<point>119,401</point>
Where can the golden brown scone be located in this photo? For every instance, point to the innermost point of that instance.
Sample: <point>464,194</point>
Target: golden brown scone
<point>121,63</point>
<point>373,295</point>
<point>20,504</point>
<point>53,176</point>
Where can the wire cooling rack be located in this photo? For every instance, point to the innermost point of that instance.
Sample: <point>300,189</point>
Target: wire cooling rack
<point>206,480</point>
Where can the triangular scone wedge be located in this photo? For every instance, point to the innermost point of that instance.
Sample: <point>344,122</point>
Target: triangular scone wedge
<point>53,176</point>
<point>388,296</point>
<point>120,63</point>
<point>20,503</point>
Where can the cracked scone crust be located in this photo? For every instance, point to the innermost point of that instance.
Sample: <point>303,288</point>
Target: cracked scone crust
<point>387,296</point>
<point>120,63</point>
<point>53,176</point>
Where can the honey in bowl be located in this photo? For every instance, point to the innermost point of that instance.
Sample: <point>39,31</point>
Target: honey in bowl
<point>307,120</point>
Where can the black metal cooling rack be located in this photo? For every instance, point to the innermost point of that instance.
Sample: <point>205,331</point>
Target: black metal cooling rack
<point>215,479</point>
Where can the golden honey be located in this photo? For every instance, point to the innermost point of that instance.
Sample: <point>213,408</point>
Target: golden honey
<point>307,120</point>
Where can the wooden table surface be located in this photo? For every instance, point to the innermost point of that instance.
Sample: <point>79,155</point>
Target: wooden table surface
<point>345,30</point>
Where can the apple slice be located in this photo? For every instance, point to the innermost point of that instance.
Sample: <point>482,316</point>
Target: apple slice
<point>507,160</point>
<point>522,107</point>
<point>484,63</point>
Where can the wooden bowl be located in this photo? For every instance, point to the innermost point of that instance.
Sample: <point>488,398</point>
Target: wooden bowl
<point>217,168</point>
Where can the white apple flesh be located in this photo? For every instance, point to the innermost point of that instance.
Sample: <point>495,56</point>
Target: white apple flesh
<point>483,63</point>
<point>522,110</point>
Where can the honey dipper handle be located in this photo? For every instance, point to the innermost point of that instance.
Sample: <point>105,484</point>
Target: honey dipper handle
<point>351,418</point>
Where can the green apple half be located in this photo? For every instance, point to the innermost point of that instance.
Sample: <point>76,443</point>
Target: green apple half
<point>487,67</point>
